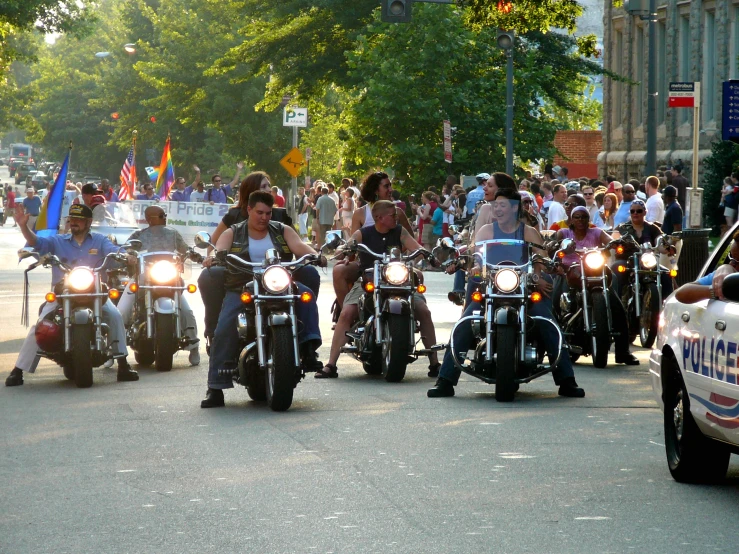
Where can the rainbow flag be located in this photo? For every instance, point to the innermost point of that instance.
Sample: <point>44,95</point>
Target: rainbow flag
<point>165,179</point>
<point>47,223</point>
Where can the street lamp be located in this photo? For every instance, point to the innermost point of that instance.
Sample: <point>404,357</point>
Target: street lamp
<point>506,41</point>
<point>130,48</point>
<point>647,11</point>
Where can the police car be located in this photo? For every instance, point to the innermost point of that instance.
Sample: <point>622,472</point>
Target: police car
<point>694,369</point>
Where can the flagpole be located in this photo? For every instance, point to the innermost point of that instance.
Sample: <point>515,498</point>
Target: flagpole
<point>132,185</point>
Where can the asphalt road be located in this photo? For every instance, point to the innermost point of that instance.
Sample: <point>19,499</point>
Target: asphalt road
<point>356,465</point>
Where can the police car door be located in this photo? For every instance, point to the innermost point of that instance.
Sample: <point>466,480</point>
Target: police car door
<point>711,365</point>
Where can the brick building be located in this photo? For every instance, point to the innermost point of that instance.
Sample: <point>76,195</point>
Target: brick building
<point>579,152</point>
<point>696,41</point>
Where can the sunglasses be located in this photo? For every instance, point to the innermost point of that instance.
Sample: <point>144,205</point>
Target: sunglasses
<point>637,211</point>
<point>163,216</point>
<point>732,261</point>
<point>588,193</point>
<point>216,180</point>
<point>570,205</point>
<point>629,191</point>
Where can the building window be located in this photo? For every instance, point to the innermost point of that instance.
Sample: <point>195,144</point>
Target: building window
<point>661,72</point>
<point>638,62</point>
<point>683,60</point>
<point>708,85</point>
<point>617,87</point>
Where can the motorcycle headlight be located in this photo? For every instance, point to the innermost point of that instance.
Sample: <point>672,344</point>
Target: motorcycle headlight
<point>276,279</point>
<point>80,279</point>
<point>648,260</point>
<point>396,273</point>
<point>594,260</point>
<point>506,280</point>
<point>163,272</point>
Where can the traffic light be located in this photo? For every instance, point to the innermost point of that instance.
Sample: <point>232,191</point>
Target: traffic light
<point>505,39</point>
<point>396,11</point>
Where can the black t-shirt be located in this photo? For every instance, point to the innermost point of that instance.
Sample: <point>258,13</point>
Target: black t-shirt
<point>673,216</point>
<point>379,243</point>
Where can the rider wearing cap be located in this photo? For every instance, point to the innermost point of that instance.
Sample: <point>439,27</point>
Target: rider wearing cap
<point>478,194</point>
<point>78,248</point>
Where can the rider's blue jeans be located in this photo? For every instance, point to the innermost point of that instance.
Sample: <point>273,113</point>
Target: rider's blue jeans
<point>224,351</point>
<point>464,340</point>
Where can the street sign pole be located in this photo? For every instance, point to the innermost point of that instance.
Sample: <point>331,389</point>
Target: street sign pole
<point>695,195</point>
<point>293,183</point>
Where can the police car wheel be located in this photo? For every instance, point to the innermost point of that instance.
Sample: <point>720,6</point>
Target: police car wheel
<point>691,456</point>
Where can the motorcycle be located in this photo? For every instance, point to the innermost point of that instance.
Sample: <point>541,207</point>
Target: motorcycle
<point>269,363</point>
<point>74,335</point>
<point>643,297</point>
<point>584,313</point>
<point>384,337</point>
<point>155,335</point>
<point>508,350</point>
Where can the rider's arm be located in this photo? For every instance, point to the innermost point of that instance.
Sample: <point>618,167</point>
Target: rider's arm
<point>403,220</point>
<point>358,221</point>
<point>483,217</point>
<point>217,234</point>
<point>180,244</point>
<point>296,245</point>
<point>605,238</point>
<point>22,218</point>
<point>225,241</point>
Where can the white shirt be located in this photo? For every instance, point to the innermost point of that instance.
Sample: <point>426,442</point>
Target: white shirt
<point>69,196</point>
<point>655,209</point>
<point>196,196</point>
<point>556,213</point>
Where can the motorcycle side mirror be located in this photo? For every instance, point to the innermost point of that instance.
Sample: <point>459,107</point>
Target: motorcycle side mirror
<point>112,239</point>
<point>395,253</point>
<point>27,252</point>
<point>730,287</point>
<point>569,246</point>
<point>202,240</point>
<point>454,229</point>
<point>445,243</point>
<point>548,234</point>
<point>133,244</point>
<point>333,240</point>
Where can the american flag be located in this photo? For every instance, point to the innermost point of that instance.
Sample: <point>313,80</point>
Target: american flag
<point>128,176</point>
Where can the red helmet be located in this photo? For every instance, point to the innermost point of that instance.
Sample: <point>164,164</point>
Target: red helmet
<point>49,336</point>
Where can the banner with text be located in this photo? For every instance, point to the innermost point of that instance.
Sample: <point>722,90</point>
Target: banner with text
<point>187,217</point>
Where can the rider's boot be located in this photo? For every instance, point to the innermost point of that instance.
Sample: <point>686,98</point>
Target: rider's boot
<point>125,373</point>
<point>309,356</point>
<point>568,387</point>
<point>15,378</point>
<point>441,389</point>
<point>626,358</point>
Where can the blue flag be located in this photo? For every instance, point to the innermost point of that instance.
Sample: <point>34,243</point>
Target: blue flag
<point>47,223</point>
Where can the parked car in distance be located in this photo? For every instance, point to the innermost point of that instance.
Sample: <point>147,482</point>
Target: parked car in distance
<point>22,172</point>
<point>39,180</point>
<point>13,165</point>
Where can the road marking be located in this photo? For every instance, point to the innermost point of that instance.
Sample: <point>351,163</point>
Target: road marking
<point>592,518</point>
<point>125,471</point>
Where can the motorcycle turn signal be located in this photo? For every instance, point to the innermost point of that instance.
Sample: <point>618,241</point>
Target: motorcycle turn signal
<point>536,296</point>
<point>421,288</point>
<point>369,287</point>
<point>477,296</point>
<point>50,297</point>
<point>246,298</point>
<point>673,273</point>
<point>114,294</point>
<point>306,297</point>
<point>192,288</point>
<point>621,268</point>
<point>134,287</point>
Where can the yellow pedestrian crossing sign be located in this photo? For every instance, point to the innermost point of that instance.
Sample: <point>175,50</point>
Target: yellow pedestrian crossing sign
<point>293,162</point>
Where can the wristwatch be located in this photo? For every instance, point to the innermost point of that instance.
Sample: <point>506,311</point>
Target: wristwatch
<point>712,292</point>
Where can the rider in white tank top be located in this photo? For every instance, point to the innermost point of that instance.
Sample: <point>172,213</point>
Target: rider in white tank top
<point>368,219</point>
<point>258,248</point>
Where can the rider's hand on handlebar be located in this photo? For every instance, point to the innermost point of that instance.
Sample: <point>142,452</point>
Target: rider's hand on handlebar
<point>322,261</point>
<point>207,262</point>
<point>545,287</point>
<point>131,259</point>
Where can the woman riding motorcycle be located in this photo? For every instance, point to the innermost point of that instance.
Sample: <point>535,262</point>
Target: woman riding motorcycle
<point>590,237</point>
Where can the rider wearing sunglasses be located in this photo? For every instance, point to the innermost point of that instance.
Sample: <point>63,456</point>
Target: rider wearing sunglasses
<point>642,232</point>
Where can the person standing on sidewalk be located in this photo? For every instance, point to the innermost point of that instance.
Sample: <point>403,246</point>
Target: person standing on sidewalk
<point>31,206</point>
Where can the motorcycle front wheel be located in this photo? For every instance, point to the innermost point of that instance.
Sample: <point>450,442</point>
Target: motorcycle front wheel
<point>396,348</point>
<point>505,372</point>
<point>82,355</point>
<point>281,368</point>
<point>601,334</point>
<point>649,320</point>
<point>166,345</point>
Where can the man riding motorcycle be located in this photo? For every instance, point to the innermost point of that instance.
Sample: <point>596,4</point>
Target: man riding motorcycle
<point>507,225</point>
<point>250,240</point>
<point>78,248</point>
<point>158,238</point>
<point>386,233</point>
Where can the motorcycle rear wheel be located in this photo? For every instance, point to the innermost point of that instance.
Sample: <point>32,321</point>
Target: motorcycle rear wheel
<point>166,346</point>
<point>395,351</point>
<point>82,355</point>
<point>601,334</point>
<point>649,320</point>
<point>505,375</point>
<point>281,368</point>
